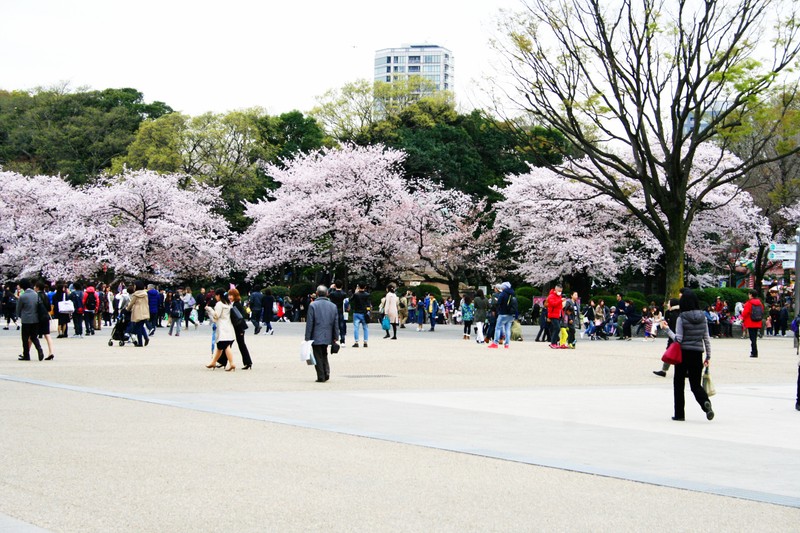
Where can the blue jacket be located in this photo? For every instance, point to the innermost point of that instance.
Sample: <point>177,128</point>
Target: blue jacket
<point>504,306</point>
<point>152,301</point>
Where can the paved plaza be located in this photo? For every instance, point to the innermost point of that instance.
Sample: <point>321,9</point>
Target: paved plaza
<point>426,433</point>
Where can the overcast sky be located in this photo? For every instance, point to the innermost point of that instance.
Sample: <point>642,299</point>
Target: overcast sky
<point>216,56</point>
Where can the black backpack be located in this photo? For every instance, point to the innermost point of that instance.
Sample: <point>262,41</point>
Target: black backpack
<point>756,313</point>
<point>91,301</point>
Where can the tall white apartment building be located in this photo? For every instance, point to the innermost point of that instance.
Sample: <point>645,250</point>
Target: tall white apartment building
<point>432,62</point>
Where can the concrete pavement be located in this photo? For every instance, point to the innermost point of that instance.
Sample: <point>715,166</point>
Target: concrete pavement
<point>426,433</point>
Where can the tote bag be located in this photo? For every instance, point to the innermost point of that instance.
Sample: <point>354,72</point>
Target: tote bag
<point>708,385</point>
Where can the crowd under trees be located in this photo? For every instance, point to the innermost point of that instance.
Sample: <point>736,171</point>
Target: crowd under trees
<point>650,139</point>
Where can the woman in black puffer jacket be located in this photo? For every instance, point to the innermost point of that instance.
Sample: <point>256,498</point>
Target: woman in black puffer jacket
<point>691,331</point>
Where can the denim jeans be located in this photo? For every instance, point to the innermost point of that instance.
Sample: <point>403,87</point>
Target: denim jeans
<point>503,327</point>
<point>358,318</point>
<point>555,330</point>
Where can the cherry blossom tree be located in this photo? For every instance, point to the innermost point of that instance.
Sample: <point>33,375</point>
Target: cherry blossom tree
<point>449,235</point>
<point>563,226</point>
<point>40,228</point>
<point>158,227</point>
<point>339,208</point>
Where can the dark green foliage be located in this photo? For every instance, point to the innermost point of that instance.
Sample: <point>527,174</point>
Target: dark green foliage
<point>73,134</point>
<point>470,152</point>
<point>376,297</point>
<point>279,291</point>
<point>731,295</point>
<point>635,295</point>
<point>528,292</point>
<point>302,289</point>
<point>285,136</point>
<point>524,303</point>
<point>423,288</point>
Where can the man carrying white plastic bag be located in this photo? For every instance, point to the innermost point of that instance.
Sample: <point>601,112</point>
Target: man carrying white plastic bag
<point>322,330</point>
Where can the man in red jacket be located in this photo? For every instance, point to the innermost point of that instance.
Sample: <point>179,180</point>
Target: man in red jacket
<point>555,305</point>
<point>752,315</point>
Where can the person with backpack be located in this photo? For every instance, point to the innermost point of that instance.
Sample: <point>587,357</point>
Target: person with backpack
<point>505,315</point>
<point>91,303</point>
<point>77,317</point>
<point>752,317</point>
<point>174,305</point>
<point>9,306</point>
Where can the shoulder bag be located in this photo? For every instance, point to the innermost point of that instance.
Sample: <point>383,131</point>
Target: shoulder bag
<point>673,355</point>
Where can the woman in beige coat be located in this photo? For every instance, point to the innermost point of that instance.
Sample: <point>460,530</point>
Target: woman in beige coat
<point>140,314</point>
<point>392,310</point>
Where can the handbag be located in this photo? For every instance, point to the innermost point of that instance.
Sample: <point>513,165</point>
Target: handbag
<point>66,307</point>
<point>41,311</point>
<point>708,385</point>
<point>335,347</point>
<point>385,323</point>
<point>673,355</point>
<point>237,318</point>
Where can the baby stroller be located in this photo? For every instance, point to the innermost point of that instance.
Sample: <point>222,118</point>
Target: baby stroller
<point>119,331</point>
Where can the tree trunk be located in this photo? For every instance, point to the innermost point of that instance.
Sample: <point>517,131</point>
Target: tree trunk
<point>674,259</point>
<point>452,285</point>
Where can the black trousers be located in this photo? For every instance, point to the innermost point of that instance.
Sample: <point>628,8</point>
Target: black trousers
<point>544,332</point>
<point>753,332</point>
<point>691,367</point>
<point>798,384</point>
<point>30,333</point>
<point>255,317</point>
<point>187,317</point>
<point>246,361</point>
<point>322,367</point>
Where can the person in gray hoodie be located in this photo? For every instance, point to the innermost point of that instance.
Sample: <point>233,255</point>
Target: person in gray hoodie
<point>691,331</point>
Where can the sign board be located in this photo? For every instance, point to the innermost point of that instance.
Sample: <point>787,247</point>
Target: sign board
<point>788,264</point>
<point>780,256</point>
<point>776,247</point>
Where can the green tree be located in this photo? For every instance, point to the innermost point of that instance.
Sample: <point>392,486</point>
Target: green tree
<point>223,150</point>
<point>158,146</point>
<point>471,153</point>
<point>347,114</point>
<point>53,131</point>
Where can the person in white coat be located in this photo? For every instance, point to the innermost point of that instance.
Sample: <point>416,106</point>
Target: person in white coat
<point>221,315</point>
<point>391,308</point>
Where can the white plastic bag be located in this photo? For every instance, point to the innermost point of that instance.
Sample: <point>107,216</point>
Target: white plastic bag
<point>306,353</point>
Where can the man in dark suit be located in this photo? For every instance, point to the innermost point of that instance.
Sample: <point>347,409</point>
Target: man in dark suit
<point>27,312</point>
<point>322,327</point>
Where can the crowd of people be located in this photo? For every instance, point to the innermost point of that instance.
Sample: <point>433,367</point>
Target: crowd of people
<point>137,310</point>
